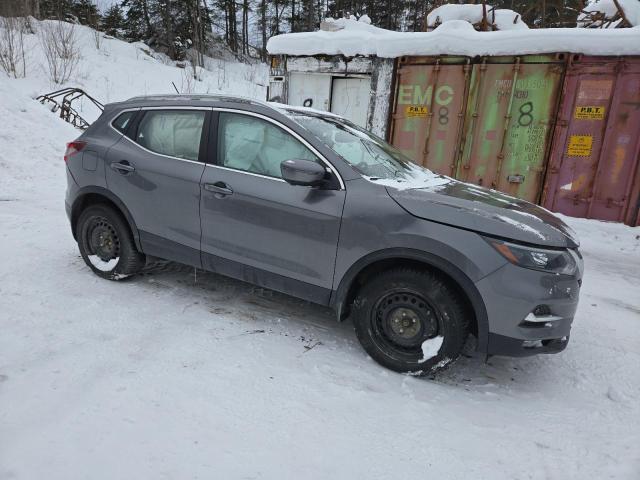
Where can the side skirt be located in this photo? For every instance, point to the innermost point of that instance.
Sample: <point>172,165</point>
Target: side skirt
<point>168,250</point>
<point>262,278</point>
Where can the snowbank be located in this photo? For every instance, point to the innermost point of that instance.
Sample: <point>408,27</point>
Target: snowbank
<point>503,19</point>
<point>119,70</point>
<point>455,37</point>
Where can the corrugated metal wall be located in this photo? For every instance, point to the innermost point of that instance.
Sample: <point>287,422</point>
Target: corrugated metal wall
<point>508,124</point>
<point>594,158</point>
<point>562,129</point>
<point>428,112</point>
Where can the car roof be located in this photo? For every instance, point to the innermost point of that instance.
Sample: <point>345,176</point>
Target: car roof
<point>195,98</point>
<point>213,100</point>
<point>192,100</point>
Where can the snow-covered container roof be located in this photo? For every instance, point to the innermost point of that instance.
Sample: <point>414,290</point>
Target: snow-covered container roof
<point>351,37</point>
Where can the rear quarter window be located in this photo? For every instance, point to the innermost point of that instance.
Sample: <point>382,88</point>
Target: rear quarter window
<point>122,121</point>
<point>175,133</point>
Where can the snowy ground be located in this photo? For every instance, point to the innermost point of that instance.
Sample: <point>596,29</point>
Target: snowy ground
<point>172,375</point>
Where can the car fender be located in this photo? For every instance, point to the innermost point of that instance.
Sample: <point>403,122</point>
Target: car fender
<point>339,296</point>
<point>97,190</point>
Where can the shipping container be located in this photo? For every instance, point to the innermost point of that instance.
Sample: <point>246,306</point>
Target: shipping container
<point>350,98</point>
<point>633,212</point>
<point>596,146</point>
<point>510,113</point>
<point>356,88</point>
<point>428,110</point>
<point>488,122</point>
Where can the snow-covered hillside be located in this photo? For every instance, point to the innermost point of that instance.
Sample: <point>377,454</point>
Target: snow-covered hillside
<point>177,375</point>
<point>118,70</point>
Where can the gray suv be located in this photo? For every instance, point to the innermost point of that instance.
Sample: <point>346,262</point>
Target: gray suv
<point>308,204</point>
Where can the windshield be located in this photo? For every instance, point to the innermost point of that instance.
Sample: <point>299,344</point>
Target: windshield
<point>368,154</point>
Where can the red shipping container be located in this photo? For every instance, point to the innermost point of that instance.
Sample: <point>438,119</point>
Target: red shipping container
<point>596,146</point>
<point>633,213</point>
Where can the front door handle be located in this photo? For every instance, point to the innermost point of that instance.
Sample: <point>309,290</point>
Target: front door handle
<point>219,188</point>
<point>123,167</point>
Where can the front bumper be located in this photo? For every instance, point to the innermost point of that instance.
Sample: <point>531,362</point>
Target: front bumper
<point>515,347</point>
<point>512,294</point>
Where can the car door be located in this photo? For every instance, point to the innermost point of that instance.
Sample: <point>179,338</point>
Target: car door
<point>156,172</point>
<point>259,228</point>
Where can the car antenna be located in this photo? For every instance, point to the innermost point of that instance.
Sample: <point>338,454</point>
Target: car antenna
<point>174,86</point>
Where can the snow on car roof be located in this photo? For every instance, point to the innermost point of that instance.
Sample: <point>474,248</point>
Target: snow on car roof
<point>351,37</point>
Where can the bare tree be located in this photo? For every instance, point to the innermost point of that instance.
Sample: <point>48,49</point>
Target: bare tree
<point>263,29</point>
<point>60,46</point>
<point>12,55</point>
<point>97,38</point>
<point>188,74</point>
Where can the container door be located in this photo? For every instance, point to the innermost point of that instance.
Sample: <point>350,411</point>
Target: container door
<point>429,110</point>
<point>309,90</point>
<point>510,114</point>
<point>350,98</point>
<point>620,151</point>
<point>595,154</point>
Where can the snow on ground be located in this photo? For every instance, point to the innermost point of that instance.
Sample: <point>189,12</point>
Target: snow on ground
<point>454,37</point>
<point>174,374</point>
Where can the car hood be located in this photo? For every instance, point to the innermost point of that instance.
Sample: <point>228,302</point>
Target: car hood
<point>484,211</point>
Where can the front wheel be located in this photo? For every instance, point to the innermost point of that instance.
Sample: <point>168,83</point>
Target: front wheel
<point>410,321</point>
<point>106,243</point>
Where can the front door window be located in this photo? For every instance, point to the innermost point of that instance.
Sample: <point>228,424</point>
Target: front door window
<point>254,145</point>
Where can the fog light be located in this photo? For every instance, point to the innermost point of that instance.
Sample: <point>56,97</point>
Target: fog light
<point>532,344</point>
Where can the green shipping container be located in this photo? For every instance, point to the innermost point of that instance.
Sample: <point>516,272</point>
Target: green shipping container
<point>429,108</point>
<point>510,113</point>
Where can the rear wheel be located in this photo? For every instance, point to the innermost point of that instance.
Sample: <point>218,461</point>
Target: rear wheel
<point>106,243</point>
<point>410,321</point>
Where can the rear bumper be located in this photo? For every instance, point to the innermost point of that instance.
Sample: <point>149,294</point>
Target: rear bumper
<point>529,312</point>
<point>67,208</point>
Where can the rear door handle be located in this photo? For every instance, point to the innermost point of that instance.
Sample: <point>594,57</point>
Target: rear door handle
<point>123,167</point>
<point>219,188</point>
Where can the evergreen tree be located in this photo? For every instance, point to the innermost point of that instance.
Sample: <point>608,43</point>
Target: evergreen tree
<point>113,21</point>
<point>56,9</point>
<point>137,25</point>
<point>183,27</point>
<point>86,12</point>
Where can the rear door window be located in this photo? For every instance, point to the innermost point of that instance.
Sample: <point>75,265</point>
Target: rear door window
<point>176,133</point>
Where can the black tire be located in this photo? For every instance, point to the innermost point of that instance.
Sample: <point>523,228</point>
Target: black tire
<point>106,243</point>
<point>398,310</point>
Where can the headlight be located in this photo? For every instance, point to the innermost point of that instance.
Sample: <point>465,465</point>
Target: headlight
<point>552,261</point>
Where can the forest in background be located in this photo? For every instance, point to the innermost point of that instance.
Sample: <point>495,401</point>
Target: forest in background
<point>177,27</point>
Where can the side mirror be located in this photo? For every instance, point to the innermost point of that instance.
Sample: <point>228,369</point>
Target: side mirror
<point>302,172</point>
